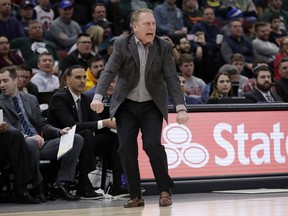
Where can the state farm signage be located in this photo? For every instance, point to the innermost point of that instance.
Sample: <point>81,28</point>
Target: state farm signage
<point>223,144</point>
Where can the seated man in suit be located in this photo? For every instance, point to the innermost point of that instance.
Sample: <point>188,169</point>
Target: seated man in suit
<point>13,151</point>
<point>22,112</point>
<point>262,91</point>
<point>65,110</point>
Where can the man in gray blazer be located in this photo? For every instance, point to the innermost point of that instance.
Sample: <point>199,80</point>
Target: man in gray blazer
<point>41,138</point>
<point>145,69</point>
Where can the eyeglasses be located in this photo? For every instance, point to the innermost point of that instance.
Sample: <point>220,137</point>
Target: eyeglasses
<point>4,43</point>
<point>85,42</point>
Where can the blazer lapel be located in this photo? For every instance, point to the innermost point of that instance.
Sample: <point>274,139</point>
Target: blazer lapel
<point>134,51</point>
<point>26,105</point>
<point>7,103</point>
<point>151,55</point>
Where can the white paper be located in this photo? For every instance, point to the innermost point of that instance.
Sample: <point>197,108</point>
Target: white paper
<point>113,130</point>
<point>1,116</point>
<point>66,142</point>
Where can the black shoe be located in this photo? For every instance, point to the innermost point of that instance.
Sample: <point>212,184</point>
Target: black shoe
<point>25,198</point>
<point>121,192</point>
<point>89,193</point>
<point>39,194</point>
<point>41,197</point>
<point>60,191</point>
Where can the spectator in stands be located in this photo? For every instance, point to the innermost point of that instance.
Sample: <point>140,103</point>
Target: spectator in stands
<point>98,12</point>
<point>13,150</point>
<point>169,19</point>
<point>96,34</point>
<point>238,80</point>
<point>233,73</point>
<point>95,28</point>
<point>193,85</point>
<point>106,55</point>
<point>20,82</point>
<point>8,57</point>
<point>33,45</point>
<point>106,98</point>
<point>187,100</point>
<point>281,85</point>
<point>262,91</point>
<point>222,87</point>
<point>44,14</point>
<point>205,45</point>
<point>246,6</point>
<point>261,44</point>
<point>65,111</point>
<point>274,7</point>
<point>21,111</point>
<point>235,42</point>
<point>260,5</point>
<point>96,64</point>
<point>9,26</point>
<point>63,29</point>
<point>183,45</point>
<point>27,14</point>
<point>28,86</point>
<point>44,79</point>
<point>276,34</point>
<point>283,52</point>
<point>79,11</point>
<point>81,55</point>
<point>191,13</point>
<point>250,84</point>
<point>107,36</point>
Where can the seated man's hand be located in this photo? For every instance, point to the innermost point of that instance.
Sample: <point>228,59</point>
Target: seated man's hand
<point>39,139</point>
<point>64,130</point>
<point>109,123</point>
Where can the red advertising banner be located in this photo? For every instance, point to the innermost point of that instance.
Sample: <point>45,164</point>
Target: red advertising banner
<point>223,144</point>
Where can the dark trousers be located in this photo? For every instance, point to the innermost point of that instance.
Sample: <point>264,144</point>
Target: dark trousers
<point>145,116</point>
<point>100,143</point>
<point>67,164</point>
<point>13,151</point>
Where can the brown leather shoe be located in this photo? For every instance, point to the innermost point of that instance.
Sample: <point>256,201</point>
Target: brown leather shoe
<point>165,199</point>
<point>134,202</point>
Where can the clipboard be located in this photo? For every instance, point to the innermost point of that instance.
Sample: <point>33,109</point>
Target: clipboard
<point>66,143</point>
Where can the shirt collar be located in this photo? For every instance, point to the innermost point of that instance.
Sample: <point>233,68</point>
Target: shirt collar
<point>75,97</point>
<point>137,41</point>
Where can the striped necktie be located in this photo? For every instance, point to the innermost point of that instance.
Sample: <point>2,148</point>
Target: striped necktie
<point>22,119</point>
<point>269,98</point>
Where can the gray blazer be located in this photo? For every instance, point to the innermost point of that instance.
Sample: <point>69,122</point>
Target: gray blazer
<point>160,74</point>
<point>32,110</point>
